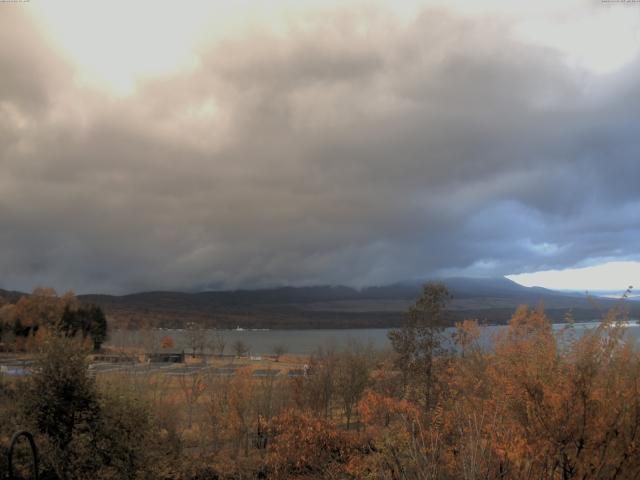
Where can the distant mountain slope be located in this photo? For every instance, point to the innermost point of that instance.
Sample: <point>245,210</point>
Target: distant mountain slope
<point>490,299</point>
<point>10,295</point>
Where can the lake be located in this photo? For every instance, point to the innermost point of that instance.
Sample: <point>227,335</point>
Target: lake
<point>302,342</point>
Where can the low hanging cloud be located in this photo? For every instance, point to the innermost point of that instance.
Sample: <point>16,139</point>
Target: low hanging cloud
<point>352,148</point>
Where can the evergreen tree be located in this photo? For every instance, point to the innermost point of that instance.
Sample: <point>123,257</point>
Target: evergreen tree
<point>419,340</point>
<point>89,321</point>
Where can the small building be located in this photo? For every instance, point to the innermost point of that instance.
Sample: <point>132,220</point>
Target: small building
<point>166,357</point>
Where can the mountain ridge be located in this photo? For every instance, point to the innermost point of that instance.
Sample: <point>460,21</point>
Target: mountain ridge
<point>491,300</point>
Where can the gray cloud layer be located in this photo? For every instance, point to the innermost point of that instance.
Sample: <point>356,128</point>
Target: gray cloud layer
<point>354,150</point>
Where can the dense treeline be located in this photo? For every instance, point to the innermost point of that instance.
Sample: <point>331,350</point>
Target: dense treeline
<point>26,322</point>
<point>537,405</point>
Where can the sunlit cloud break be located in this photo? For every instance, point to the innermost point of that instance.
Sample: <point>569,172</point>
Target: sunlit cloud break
<point>605,277</point>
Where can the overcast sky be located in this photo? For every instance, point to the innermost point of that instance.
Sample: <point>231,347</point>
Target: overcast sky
<point>187,145</point>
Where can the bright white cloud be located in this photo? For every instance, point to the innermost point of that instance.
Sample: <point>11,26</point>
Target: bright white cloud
<point>115,44</point>
<point>607,276</point>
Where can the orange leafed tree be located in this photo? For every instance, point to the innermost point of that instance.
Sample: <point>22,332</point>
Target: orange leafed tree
<point>304,444</point>
<point>167,343</point>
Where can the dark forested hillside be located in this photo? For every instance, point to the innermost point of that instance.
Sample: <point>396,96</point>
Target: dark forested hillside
<point>490,300</point>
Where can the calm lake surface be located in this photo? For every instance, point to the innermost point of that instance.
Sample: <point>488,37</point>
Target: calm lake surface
<point>303,342</point>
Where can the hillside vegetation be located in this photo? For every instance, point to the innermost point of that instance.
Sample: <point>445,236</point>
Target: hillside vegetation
<point>536,405</point>
<point>490,300</point>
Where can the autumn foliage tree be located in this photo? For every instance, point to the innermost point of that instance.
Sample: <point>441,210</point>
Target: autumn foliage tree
<point>353,376</point>
<point>167,343</point>
<point>240,413</point>
<point>529,400</point>
<point>45,311</point>
<point>303,444</point>
<point>573,407</point>
<point>193,386</point>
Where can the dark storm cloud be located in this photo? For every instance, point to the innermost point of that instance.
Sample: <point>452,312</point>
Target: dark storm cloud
<point>354,150</point>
